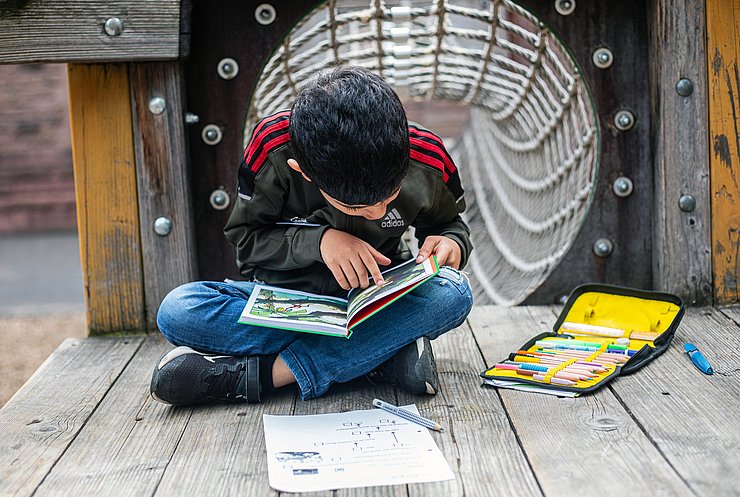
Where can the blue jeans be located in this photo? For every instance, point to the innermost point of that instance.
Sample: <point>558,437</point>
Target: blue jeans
<point>203,315</point>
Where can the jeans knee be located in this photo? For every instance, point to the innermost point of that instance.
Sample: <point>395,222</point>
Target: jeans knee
<point>459,296</point>
<point>170,313</point>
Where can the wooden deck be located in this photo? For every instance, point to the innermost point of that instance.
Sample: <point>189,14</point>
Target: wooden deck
<point>84,424</point>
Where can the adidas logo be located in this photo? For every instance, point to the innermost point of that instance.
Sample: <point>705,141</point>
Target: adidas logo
<point>392,220</point>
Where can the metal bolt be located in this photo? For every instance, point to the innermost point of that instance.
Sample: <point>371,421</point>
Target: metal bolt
<point>565,7</point>
<point>191,118</point>
<point>227,68</point>
<point>113,26</point>
<point>157,105</point>
<point>624,120</point>
<point>265,14</point>
<point>211,134</point>
<point>219,199</point>
<point>622,187</point>
<point>602,58</point>
<point>687,203</point>
<point>162,226</point>
<point>685,87</point>
<point>603,247</point>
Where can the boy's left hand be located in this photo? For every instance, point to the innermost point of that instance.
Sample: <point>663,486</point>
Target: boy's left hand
<point>446,249</point>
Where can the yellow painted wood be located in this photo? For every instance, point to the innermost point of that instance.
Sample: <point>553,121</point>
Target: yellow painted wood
<point>723,52</point>
<point>105,185</point>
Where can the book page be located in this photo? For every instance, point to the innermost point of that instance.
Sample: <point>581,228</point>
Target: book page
<point>404,275</point>
<point>295,310</point>
<point>350,449</point>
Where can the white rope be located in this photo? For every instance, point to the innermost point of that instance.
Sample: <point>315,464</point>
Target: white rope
<point>528,152</point>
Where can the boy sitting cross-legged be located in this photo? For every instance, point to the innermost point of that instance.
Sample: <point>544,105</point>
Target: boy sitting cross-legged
<point>326,191</point>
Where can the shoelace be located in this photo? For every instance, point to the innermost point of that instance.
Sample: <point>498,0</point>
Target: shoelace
<point>223,381</point>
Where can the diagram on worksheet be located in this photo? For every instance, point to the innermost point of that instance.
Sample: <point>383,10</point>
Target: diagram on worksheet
<point>351,449</point>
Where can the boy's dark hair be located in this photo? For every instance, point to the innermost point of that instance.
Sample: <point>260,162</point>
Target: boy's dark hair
<point>350,135</point>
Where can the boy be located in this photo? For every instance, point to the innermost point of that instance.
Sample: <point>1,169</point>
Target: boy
<point>326,191</point>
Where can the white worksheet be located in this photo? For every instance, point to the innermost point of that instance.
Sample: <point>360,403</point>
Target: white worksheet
<point>350,449</point>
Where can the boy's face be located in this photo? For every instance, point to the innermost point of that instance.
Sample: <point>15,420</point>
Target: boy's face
<point>370,212</point>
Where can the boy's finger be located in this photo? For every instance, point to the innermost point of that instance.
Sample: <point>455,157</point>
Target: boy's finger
<point>427,249</point>
<point>372,266</point>
<point>442,254</point>
<point>379,258</point>
<point>339,276</point>
<point>361,270</point>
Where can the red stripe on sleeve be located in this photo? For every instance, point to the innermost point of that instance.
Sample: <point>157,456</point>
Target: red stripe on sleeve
<point>268,119</point>
<point>267,148</point>
<point>426,159</point>
<point>434,148</point>
<point>256,144</point>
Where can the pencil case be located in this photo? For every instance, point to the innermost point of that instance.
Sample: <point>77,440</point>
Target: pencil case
<point>603,331</point>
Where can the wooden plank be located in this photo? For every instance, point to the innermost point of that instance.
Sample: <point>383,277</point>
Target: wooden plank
<point>163,182</point>
<point>591,439</point>
<point>479,441</point>
<point>222,451</point>
<point>126,444</point>
<point>681,240</point>
<point>43,418</point>
<point>105,185</point>
<point>693,418</point>
<point>723,52</point>
<point>732,313</point>
<point>69,31</point>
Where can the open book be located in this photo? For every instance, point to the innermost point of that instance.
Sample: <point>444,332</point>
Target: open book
<point>301,311</point>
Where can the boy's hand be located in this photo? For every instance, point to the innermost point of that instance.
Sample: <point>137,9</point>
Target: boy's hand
<point>446,249</point>
<point>351,259</point>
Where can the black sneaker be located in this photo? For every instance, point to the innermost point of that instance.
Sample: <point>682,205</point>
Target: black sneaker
<point>412,368</point>
<point>184,376</point>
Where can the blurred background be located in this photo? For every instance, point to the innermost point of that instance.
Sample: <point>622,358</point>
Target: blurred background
<point>41,292</point>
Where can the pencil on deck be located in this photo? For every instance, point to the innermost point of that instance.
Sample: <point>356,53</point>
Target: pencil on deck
<point>408,415</point>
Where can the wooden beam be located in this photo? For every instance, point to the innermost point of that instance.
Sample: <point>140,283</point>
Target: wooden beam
<point>70,31</point>
<point>723,52</point>
<point>163,181</point>
<point>681,251</point>
<point>105,186</point>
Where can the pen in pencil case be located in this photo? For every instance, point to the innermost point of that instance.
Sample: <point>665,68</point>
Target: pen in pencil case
<point>564,373</point>
<point>574,369</point>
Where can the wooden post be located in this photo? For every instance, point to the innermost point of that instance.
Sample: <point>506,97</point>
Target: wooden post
<point>163,180</point>
<point>681,241</point>
<point>105,185</point>
<point>723,38</point>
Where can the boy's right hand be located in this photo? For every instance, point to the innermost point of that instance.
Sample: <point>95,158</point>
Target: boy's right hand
<point>351,259</point>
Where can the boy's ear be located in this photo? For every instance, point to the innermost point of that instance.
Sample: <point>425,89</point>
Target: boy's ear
<point>295,167</point>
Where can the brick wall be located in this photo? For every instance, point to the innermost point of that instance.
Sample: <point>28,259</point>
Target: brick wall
<point>36,179</point>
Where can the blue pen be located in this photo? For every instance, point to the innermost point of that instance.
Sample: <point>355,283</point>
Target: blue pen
<point>697,358</point>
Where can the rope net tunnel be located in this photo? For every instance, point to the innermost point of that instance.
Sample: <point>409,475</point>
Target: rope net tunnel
<point>528,151</point>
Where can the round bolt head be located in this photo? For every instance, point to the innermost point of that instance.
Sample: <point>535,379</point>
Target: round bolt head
<point>113,26</point>
<point>162,226</point>
<point>265,14</point>
<point>603,247</point>
<point>219,199</point>
<point>687,203</point>
<point>602,58</point>
<point>211,134</point>
<point>685,87</point>
<point>622,187</point>
<point>624,120</point>
<point>227,68</point>
<point>565,7</point>
<point>157,105</point>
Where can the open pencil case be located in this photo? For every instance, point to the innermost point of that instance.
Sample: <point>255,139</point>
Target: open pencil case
<point>603,332</point>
